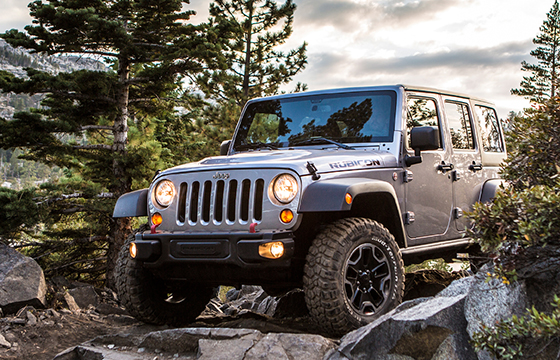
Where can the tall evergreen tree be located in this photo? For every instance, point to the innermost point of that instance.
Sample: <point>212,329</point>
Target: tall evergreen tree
<point>542,84</point>
<point>87,117</point>
<point>255,68</point>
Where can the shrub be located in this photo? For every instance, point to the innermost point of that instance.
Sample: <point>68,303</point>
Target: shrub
<point>534,154</point>
<point>518,218</point>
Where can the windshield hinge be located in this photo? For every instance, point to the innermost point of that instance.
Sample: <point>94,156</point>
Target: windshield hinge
<point>313,170</point>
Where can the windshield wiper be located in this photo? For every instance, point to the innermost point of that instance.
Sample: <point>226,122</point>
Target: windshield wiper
<point>256,145</point>
<point>321,140</point>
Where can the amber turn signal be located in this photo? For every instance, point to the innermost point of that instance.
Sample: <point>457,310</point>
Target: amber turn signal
<point>157,219</point>
<point>271,250</point>
<point>348,198</point>
<point>286,216</point>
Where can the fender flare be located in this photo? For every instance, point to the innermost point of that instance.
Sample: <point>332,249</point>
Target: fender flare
<point>132,204</point>
<point>489,190</point>
<point>329,195</point>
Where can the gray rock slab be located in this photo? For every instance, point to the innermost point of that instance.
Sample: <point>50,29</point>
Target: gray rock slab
<point>89,352</point>
<point>290,346</point>
<point>84,296</point>
<point>201,343</point>
<point>491,301</point>
<point>22,281</point>
<point>224,349</point>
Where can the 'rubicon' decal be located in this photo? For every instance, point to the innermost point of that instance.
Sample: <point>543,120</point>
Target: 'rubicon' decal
<point>354,163</point>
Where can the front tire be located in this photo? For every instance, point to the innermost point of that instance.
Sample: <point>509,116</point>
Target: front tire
<point>354,274</point>
<point>150,299</point>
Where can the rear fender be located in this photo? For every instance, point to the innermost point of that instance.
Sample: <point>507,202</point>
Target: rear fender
<point>489,190</point>
<point>132,204</point>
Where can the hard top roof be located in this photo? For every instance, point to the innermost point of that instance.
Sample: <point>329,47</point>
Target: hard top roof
<point>372,88</point>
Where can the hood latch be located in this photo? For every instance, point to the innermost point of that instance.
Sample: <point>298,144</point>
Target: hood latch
<point>313,170</point>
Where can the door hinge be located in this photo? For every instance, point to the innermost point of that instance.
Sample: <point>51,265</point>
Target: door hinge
<point>457,213</point>
<point>409,217</point>
<point>408,176</point>
<point>455,176</point>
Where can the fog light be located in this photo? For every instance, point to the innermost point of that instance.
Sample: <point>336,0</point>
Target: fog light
<point>286,216</point>
<point>272,250</point>
<point>133,250</point>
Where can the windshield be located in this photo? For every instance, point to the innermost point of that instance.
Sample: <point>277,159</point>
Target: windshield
<point>356,117</point>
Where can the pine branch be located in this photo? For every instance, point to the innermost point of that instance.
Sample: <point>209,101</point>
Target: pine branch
<point>92,147</point>
<point>77,262</point>
<point>95,127</point>
<point>72,196</point>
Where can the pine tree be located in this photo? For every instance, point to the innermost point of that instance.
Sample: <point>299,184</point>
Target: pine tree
<point>255,68</point>
<point>542,85</point>
<point>96,124</point>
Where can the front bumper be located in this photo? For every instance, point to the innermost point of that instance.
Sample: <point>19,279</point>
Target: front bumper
<point>240,249</point>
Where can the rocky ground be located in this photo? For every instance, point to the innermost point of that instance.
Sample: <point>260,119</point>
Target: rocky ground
<point>43,333</point>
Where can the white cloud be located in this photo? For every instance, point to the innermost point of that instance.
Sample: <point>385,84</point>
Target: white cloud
<point>14,14</point>
<point>471,46</point>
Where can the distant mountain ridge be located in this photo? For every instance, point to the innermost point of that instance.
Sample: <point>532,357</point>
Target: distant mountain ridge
<point>15,60</point>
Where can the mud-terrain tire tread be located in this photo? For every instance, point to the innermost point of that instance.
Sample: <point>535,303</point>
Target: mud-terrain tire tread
<point>135,287</point>
<point>322,272</point>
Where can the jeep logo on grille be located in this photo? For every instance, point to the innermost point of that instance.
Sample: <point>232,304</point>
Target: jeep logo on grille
<point>222,176</point>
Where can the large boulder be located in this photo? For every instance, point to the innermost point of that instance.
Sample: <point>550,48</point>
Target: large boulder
<point>22,281</point>
<point>424,328</point>
<point>490,300</point>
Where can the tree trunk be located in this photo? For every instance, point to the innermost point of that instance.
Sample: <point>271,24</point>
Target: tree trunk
<point>247,65</point>
<point>122,226</point>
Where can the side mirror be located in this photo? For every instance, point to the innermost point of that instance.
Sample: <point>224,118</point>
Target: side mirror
<point>224,147</point>
<point>422,138</point>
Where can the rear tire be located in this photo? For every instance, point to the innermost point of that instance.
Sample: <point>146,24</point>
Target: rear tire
<point>354,274</point>
<point>149,299</point>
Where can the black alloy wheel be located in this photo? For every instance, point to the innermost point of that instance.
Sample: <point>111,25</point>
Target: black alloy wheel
<point>354,273</point>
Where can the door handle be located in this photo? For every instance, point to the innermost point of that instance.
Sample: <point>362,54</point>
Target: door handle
<point>443,167</point>
<point>475,167</point>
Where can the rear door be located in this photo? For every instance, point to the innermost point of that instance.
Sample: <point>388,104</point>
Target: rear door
<point>467,176</point>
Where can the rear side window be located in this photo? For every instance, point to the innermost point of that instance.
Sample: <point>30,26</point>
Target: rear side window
<point>421,112</point>
<point>460,125</point>
<point>490,129</point>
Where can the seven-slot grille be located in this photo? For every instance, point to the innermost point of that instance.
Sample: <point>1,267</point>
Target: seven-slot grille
<point>220,201</point>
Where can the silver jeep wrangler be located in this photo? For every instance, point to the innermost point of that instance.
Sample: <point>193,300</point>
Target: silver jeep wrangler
<point>325,190</point>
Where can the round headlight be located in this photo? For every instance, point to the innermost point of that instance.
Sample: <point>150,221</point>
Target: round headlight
<point>165,191</point>
<point>285,188</point>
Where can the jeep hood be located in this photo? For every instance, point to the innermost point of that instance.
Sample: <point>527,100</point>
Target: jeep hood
<point>324,160</point>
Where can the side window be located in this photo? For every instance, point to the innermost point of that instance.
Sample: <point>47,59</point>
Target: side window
<point>491,138</point>
<point>460,125</point>
<point>421,112</point>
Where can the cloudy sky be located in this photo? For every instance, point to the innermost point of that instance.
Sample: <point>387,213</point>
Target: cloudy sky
<point>469,46</point>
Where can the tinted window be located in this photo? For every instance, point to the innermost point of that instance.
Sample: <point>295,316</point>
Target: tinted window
<point>460,125</point>
<point>490,129</point>
<point>347,118</point>
<point>421,112</point>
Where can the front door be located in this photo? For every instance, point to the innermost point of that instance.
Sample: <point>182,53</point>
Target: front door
<point>429,189</point>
